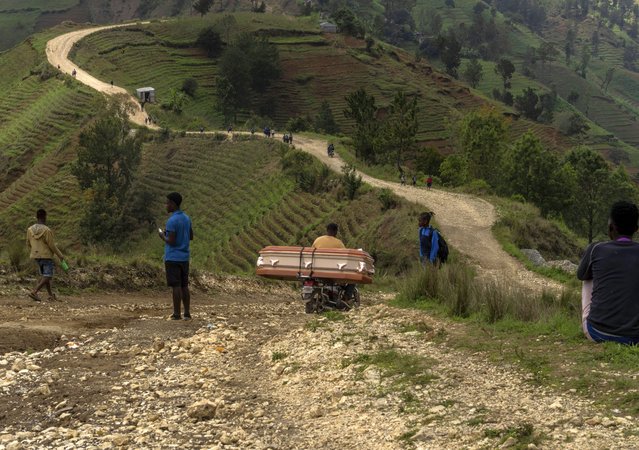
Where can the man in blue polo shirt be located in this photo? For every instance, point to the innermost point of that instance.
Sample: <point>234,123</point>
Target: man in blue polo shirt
<point>610,272</point>
<point>177,239</point>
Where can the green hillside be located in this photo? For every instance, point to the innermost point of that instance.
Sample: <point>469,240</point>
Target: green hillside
<point>316,67</point>
<point>611,112</point>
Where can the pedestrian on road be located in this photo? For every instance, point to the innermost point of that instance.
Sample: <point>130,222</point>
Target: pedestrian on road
<point>429,182</point>
<point>414,180</point>
<point>42,248</point>
<point>402,179</point>
<point>111,83</point>
<point>610,272</point>
<point>290,138</point>
<point>177,252</point>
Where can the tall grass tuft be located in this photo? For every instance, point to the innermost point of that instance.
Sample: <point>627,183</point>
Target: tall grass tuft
<point>455,287</point>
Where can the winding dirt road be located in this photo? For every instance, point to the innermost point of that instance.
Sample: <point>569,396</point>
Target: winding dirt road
<point>465,220</point>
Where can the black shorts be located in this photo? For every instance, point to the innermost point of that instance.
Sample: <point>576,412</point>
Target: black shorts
<point>177,273</point>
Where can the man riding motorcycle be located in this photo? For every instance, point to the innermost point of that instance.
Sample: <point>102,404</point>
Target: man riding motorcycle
<point>329,240</point>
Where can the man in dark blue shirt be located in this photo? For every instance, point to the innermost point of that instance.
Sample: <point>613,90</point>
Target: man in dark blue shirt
<point>610,272</point>
<point>177,239</point>
<point>428,239</point>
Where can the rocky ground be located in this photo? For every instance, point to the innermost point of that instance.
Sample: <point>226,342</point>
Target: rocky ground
<point>253,371</point>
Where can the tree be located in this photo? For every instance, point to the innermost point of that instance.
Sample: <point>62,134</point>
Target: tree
<point>451,54</point>
<point>534,173</point>
<point>481,135</point>
<point>610,73</point>
<point>108,156</point>
<point>584,61</point>
<point>573,97</point>
<point>189,86</point>
<point>547,52</point>
<point>246,67</point>
<point>202,6</point>
<point>401,126</point>
<point>595,41</point>
<point>324,121</point>
<point>262,58</point>
<point>528,104</point>
<point>505,69</point>
<point>348,23</point>
<point>592,179</point>
<point>351,181</point>
<point>473,72</point>
<point>362,109</point>
<point>210,40</point>
<point>228,24</point>
<point>630,54</point>
<point>175,101</point>
<point>569,46</point>
<point>454,170</point>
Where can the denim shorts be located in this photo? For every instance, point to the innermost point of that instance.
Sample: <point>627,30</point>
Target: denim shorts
<point>600,336</point>
<point>46,267</point>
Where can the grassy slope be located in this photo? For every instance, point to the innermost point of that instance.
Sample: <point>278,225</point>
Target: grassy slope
<point>316,67</point>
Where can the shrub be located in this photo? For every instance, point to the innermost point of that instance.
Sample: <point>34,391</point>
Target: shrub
<point>454,170</point>
<point>211,41</point>
<point>388,199</point>
<point>189,86</point>
<point>17,254</point>
<point>297,124</point>
<point>351,181</point>
<point>309,174</point>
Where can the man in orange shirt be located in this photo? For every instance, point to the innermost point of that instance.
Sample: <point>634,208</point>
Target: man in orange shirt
<point>329,240</point>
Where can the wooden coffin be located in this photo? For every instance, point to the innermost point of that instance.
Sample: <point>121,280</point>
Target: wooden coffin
<point>336,264</point>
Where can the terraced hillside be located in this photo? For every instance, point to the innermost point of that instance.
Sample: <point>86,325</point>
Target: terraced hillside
<point>240,202</point>
<point>316,67</point>
<point>40,117</point>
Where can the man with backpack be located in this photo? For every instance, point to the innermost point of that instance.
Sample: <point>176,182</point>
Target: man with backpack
<point>432,246</point>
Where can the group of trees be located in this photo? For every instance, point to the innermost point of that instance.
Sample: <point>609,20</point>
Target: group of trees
<point>108,157</point>
<point>483,38</point>
<point>579,186</point>
<point>382,139</point>
<point>247,67</point>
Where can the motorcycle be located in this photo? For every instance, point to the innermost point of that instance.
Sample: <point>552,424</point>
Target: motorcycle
<point>320,295</point>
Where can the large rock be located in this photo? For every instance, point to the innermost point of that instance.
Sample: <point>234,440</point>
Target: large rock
<point>535,257</point>
<point>202,410</point>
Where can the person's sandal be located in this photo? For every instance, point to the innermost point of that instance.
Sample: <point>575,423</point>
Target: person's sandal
<point>34,297</point>
<point>187,317</point>
<point>174,317</point>
<point>52,298</point>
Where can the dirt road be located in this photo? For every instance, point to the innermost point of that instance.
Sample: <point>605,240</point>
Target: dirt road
<point>252,371</point>
<point>57,51</point>
<point>465,220</point>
